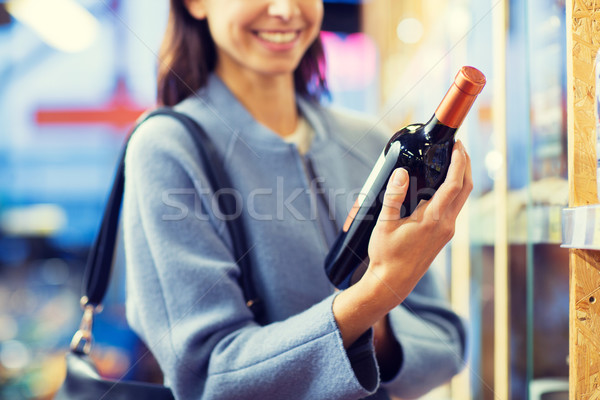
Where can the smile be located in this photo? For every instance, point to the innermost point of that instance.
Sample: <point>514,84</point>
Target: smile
<point>278,37</point>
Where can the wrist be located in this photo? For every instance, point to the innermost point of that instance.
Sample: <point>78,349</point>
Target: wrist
<point>376,284</point>
<point>356,309</point>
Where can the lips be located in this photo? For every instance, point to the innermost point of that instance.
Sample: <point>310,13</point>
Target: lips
<point>278,37</point>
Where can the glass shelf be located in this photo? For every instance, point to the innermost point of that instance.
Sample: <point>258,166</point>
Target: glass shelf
<point>581,227</point>
<point>534,214</point>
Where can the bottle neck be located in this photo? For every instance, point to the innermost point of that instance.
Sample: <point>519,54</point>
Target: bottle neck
<point>438,131</point>
<point>454,107</point>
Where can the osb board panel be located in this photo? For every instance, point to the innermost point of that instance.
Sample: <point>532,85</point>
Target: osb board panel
<point>585,325</point>
<point>584,40</point>
<point>585,37</point>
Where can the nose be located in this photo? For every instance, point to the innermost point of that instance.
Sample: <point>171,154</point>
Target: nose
<point>284,9</point>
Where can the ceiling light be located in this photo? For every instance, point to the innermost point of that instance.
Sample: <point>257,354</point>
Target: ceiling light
<point>62,24</point>
<point>410,30</point>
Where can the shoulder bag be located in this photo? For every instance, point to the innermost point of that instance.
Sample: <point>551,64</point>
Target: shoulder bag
<point>82,381</point>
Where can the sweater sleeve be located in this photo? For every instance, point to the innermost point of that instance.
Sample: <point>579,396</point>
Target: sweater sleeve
<point>184,300</point>
<point>432,338</point>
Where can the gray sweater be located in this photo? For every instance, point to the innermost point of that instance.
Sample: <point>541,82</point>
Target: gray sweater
<point>183,295</point>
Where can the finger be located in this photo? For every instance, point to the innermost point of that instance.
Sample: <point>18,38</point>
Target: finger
<point>462,197</point>
<point>420,210</point>
<point>395,193</point>
<point>452,185</point>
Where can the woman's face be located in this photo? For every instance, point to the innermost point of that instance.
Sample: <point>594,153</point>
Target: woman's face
<point>263,36</point>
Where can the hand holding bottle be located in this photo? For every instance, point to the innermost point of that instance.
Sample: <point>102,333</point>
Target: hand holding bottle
<point>401,249</point>
<point>424,151</point>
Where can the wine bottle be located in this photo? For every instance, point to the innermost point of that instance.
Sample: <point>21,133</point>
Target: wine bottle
<point>424,150</point>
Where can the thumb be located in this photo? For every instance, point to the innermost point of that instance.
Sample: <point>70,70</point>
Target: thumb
<point>394,195</point>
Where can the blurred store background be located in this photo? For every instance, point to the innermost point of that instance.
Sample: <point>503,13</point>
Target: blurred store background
<point>75,74</point>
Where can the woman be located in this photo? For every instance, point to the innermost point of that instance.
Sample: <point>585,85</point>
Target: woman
<point>250,73</point>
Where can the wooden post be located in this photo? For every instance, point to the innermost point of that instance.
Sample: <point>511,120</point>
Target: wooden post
<point>501,270</point>
<point>583,41</point>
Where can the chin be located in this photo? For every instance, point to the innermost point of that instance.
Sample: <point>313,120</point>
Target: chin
<point>278,68</point>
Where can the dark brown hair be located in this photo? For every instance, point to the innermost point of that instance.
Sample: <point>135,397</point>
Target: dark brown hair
<point>188,55</point>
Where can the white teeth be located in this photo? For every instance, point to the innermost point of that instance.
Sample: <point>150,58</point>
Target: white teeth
<point>278,37</point>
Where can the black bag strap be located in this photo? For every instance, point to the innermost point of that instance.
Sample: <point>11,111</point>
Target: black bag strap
<point>100,260</point>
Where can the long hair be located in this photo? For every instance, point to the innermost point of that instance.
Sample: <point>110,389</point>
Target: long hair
<point>188,55</point>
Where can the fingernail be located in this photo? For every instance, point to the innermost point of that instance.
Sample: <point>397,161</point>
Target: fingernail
<point>399,178</point>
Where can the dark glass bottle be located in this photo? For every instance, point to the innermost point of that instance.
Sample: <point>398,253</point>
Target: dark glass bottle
<point>424,150</point>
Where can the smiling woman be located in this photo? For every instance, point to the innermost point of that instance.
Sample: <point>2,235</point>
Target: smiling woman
<point>251,73</point>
